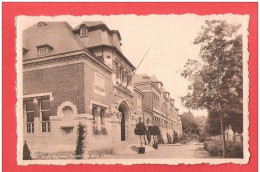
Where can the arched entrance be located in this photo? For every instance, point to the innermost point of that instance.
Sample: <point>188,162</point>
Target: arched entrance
<point>123,108</point>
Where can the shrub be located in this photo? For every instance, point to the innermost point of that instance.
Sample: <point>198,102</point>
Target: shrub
<point>103,131</point>
<point>233,149</point>
<point>202,136</point>
<point>183,139</point>
<point>80,144</point>
<point>140,130</point>
<point>175,138</point>
<point>169,138</point>
<point>154,131</point>
<point>159,135</point>
<point>26,152</point>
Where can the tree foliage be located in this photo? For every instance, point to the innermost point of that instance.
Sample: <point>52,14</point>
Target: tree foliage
<point>189,124</point>
<point>80,142</point>
<point>26,152</point>
<point>234,119</point>
<point>140,130</point>
<point>216,80</point>
<point>217,77</point>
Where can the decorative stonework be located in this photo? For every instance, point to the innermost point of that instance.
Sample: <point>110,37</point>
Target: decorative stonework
<point>66,103</point>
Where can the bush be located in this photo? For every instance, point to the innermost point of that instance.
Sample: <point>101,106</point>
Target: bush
<point>233,149</point>
<point>175,138</point>
<point>169,138</point>
<point>202,137</point>
<point>159,135</point>
<point>80,145</point>
<point>26,152</point>
<point>140,130</point>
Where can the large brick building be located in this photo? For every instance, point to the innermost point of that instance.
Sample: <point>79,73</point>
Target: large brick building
<point>79,75</point>
<point>159,108</point>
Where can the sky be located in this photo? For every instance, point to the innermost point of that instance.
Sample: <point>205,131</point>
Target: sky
<point>169,37</point>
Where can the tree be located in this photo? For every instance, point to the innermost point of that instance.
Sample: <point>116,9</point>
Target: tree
<point>217,79</point>
<point>26,152</point>
<point>80,142</point>
<point>189,124</point>
<point>140,130</point>
<point>155,132</point>
<point>234,119</point>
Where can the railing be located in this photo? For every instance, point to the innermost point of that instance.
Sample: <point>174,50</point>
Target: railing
<point>46,126</point>
<point>30,127</point>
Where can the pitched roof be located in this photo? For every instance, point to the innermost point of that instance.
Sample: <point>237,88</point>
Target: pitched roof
<point>137,78</point>
<point>58,35</point>
<point>89,24</point>
<point>92,24</point>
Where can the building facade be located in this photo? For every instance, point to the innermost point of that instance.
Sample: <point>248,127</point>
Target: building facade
<point>75,76</point>
<point>159,107</point>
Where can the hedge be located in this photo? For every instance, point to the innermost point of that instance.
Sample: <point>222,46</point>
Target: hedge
<point>233,149</point>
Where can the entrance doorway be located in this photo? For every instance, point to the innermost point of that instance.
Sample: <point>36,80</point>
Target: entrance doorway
<point>123,108</point>
<point>122,124</point>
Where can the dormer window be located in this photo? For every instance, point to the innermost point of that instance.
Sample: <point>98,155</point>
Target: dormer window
<point>40,24</point>
<point>83,30</point>
<point>25,51</point>
<point>146,77</point>
<point>44,49</point>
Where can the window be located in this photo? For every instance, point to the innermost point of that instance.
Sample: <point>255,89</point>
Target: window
<point>121,75</point>
<point>67,110</point>
<point>40,24</point>
<point>117,70</point>
<point>94,112</point>
<point>43,50</point>
<point>83,30</point>
<point>45,114</point>
<point>98,111</point>
<point>99,86</point>
<point>102,114</point>
<point>29,115</point>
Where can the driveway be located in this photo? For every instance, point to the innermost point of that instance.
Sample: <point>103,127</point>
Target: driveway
<point>190,150</point>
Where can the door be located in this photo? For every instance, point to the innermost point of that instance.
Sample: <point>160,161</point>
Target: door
<point>122,124</point>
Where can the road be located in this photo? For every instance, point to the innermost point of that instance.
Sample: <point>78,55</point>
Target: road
<point>192,149</point>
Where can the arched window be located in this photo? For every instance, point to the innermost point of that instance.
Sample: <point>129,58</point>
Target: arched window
<point>83,30</point>
<point>67,111</point>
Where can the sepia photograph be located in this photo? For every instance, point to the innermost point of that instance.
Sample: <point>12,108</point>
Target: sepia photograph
<point>132,89</point>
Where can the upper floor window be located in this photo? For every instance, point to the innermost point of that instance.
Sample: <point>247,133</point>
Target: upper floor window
<point>25,51</point>
<point>40,24</point>
<point>83,30</point>
<point>121,74</point>
<point>44,49</point>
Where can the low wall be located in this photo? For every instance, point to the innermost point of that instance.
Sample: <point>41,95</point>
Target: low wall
<point>64,131</point>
